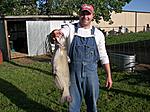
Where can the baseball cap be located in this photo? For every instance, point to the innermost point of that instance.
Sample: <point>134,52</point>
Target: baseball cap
<point>87,7</point>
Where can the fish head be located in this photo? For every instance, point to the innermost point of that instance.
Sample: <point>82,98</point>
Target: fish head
<point>61,41</point>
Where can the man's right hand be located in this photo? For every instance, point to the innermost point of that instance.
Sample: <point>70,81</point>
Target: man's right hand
<point>55,34</point>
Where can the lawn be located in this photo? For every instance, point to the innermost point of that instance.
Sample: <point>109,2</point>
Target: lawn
<point>128,37</point>
<point>27,86</point>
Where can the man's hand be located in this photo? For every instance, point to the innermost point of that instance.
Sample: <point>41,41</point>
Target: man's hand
<point>108,76</point>
<point>55,34</point>
<point>109,82</point>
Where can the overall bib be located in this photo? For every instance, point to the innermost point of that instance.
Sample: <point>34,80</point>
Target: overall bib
<point>83,72</point>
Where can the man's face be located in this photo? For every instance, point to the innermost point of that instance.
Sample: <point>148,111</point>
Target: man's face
<point>85,18</point>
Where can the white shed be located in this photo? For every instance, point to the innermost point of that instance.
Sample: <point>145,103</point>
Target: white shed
<point>28,34</point>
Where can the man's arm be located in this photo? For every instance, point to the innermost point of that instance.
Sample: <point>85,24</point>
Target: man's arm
<point>108,75</point>
<point>100,39</point>
<point>58,33</point>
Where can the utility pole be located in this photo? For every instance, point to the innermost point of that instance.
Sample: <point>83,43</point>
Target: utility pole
<point>136,21</point>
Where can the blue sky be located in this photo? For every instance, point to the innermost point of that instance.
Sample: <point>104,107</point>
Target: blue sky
<point>138,5</point>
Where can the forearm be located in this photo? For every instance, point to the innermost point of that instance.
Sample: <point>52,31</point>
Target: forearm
<point>108,77</point>
<point>107,69</point>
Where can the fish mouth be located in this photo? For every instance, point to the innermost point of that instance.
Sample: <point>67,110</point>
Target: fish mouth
<point>68,98</point>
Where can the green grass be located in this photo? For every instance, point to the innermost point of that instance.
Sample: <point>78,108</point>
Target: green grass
<point>129,37</point>
<point>30,88</point>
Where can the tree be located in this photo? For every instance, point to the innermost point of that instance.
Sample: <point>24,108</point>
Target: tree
<point>103,8</point>
<point>18,7</point>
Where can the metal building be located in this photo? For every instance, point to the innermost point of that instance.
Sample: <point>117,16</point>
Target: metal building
<point>28,35</point>
<point>130,21</point>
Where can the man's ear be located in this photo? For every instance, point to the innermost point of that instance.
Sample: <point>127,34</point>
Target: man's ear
<point>93,17</point>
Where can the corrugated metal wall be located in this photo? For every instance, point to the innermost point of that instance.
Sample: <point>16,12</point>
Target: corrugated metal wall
<point>133,21</point>
<point>142,20</point>
<point>37,34</point>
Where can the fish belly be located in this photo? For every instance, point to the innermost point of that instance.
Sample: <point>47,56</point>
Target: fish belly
<point>61,71</point>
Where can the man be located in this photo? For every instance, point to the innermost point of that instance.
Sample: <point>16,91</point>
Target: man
<point>86,45</point>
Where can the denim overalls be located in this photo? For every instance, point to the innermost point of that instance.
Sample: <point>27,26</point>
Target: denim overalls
<point>83,72</point>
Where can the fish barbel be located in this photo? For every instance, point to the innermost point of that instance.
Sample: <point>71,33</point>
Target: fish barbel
<point>61,69</point>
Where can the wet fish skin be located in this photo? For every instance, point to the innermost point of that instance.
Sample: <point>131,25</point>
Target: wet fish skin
<point>61,69</point>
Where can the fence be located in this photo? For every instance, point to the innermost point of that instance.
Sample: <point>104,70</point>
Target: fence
<point>141,49</point>
<point>123,29</point>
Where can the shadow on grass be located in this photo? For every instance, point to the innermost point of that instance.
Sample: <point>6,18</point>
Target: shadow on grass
<point>24,66</point>
<point>137,78</point>
<point>132,94</point>
<point>20,99</point>
<point>41,59</point>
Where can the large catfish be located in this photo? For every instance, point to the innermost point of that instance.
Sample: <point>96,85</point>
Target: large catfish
<point>61,68</point>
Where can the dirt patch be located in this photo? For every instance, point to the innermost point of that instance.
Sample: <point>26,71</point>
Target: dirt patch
<point>29,60</point>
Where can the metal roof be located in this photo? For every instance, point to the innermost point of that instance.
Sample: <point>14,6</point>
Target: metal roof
<point>39,17</point>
